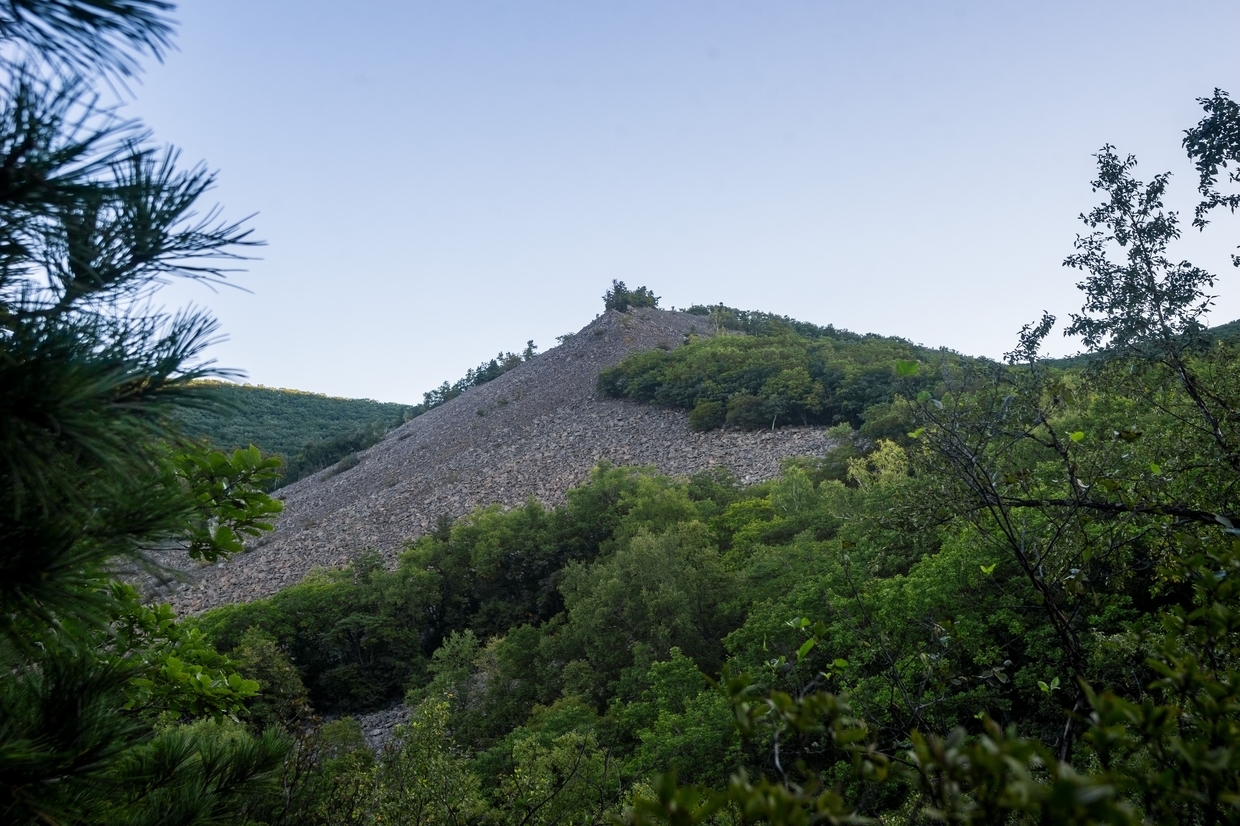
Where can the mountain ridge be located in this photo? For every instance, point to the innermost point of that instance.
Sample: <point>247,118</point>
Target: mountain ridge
<point>535,431</point>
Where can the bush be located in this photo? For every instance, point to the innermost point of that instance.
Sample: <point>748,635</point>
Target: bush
<point>621,298</point>
<point>349,462</point>
<point>707,415</point>
<point>747,412</point>
<point>801,379</point>
<point>282,700</point>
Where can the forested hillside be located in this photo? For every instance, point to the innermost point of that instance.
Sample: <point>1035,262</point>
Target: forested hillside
<point>1017,556</point>
<point>311,431</point>
<point>764,371</point>
<point>1012,594</point>
<point>303,429</point>
<point>996,593</point>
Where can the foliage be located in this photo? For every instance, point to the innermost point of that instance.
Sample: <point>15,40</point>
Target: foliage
<point>328,778</point>
<point>483,373</point>
<point>421,778</point>
<point>282,701</point>
<point>231,504</point>
<point>658,592</point>
<point>1213,144</point>
<point>568,780</point>
<point>621,298</point>
<point>1010,598</point>
<point>355,636</point>
<point>308,431</point>
<point>781,374</point>
<point>757,323</point>
<point>176,671</point>
<point>203,773</point>
<point>1100,494</point>
<point>708,414</point>
<point>96,474</point>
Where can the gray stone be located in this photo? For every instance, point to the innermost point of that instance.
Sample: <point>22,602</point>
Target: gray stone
<point>535,431</point>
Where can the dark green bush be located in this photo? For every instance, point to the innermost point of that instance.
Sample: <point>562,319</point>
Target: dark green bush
<point>707,415</point>
<point>801,379</point>
<point>355,636</point>
<point>747,412</point>
<point>621,298</point>
<point>360,637</point>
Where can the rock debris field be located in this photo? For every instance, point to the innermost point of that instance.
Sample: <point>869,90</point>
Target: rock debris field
<point>535,431</point>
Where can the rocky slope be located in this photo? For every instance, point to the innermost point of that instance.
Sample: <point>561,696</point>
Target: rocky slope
<point>535,431</point>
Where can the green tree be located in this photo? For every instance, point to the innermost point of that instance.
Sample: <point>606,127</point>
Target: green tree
<point>1083,497</point>
<point>621,298</point>
<point>657,592</point>
<point>95,476</point>
<point>422,779</point>
<point>565,781</point>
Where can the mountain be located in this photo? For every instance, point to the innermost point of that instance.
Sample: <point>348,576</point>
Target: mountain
<point>281,421</point>
<point>535,431</point>
<point>1223,332</point>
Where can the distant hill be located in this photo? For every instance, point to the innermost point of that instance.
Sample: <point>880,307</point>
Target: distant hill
<point>536,431</point>
<point>310,431</point>
<point>1223,332</point>
<point>304,429</point>
<point>1230,330</point>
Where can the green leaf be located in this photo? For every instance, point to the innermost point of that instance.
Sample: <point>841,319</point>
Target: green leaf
<point>1077,435</point>
<point>806,647</point>
<point>907,368</point>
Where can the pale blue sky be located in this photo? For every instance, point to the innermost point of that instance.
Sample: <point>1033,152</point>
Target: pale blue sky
<point>438,181</point>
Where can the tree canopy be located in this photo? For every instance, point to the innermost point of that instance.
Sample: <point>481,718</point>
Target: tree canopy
<point>110,710</point>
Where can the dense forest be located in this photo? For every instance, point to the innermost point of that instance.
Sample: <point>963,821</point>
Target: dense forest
<point>1010,594</point>
<point>776,372</point>
<point>307,431</point>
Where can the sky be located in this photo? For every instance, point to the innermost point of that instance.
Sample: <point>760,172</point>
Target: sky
<point>436,182</point>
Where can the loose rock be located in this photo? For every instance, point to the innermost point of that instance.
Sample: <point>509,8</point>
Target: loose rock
<point>535,431</point>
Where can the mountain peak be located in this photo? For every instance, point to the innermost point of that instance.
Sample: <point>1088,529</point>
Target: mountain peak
<point>536,431</point>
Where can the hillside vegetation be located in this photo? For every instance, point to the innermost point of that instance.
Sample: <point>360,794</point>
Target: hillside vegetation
<point>770,371</point>
<point>574,644</point>
<point>1012,596</point>
<point>289,423</point>
<point>1016,601</point>
<point>310,431</point>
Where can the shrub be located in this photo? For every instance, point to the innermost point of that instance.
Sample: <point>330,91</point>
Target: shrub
<point>282,699</point>
<point>621,298</point>
<point>801,380</point>
<point>347,463</point>
<point>707,415</point>
<point>747,412</point>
